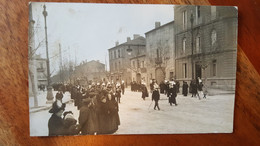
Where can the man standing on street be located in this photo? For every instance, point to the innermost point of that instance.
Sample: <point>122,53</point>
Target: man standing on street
<point>156,96</point>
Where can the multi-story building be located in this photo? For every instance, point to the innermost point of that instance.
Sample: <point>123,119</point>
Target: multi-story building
<point>120,55</point>
<point>138,68</point>
<point>41,68</point>
<point>160,59</point>
<point>89,71</point>
<point>206,44</point>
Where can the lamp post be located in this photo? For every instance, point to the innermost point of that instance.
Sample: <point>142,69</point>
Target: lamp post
<point>192,65</point>
<point>49,88</point>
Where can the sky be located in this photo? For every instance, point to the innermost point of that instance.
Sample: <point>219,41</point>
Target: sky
<point>86,31</point>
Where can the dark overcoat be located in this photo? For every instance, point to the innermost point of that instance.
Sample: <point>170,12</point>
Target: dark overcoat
<point>156,95</point>
<point>103,118</point>
<point>173,94</point>
<point>88,120</point>
<point>144,92</point>
<point>113,117</point>
<point>55,125</point>
<point>185,89</point>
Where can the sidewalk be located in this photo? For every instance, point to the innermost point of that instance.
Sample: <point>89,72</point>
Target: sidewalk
<point>212,92</point>
<point>42,105</point>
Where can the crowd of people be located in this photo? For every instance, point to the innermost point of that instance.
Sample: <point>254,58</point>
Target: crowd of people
<point>98,110</point>
<point>98,104</point>
<point>172,88</point>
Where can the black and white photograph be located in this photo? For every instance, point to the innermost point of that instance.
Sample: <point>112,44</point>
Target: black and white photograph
<point>112,69</point>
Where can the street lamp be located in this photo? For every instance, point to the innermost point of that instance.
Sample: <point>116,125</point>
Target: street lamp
<point>49,88</point>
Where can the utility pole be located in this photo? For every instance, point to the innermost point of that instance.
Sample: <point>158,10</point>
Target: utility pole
<point>49,88</point>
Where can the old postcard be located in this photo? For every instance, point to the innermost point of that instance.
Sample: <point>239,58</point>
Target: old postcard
<point>99,69</point>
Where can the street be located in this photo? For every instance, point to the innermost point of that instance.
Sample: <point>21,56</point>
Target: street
<point>137,116</point>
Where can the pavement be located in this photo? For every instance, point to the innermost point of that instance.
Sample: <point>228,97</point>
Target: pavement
<point>137,116</point>
<point>42,105</point>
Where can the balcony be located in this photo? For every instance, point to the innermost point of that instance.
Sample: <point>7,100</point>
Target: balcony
<point>40,69</point>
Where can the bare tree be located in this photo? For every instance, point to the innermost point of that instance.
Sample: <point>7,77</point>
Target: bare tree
<point>31,57</point>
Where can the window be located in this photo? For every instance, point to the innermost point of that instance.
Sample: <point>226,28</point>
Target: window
<point>214,68</point>
<point>41,65</point>
<point>198,44</point>
<point>213,12</point>
<point>118,53</point>
<point>213,37</point>
<point>184,68</point>
<point>115,66</point>
<point>133,64</point>
<point>198,11</point>
<point>183,45</point>
<point>184,19</point>
<point>119,65</point>
<point>142,65</point>
<point>114,54</point>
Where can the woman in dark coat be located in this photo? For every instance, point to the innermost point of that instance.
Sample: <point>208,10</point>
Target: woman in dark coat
<point>113,117</point>
<point>118,93</point>
<point>194,89</point>
<point>144,91</point>
<point>55,124</point>
<point>103,116</point>
<point>70,124</point>
<point>88,118</point>
<point>185,88</point>
<point>156,96</point>
<point>173,93</point>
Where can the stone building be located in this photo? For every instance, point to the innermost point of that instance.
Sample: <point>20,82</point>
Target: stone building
<point>41,69</point>
<point>138,68</point>
<point>206,44</point>
<point>120,55</point>
<point>89,71</point>
<point>160,59</point>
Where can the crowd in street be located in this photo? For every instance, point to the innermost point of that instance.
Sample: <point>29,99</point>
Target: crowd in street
<point>98,110</point>
<point>171,89</point>
<point>98,104</point>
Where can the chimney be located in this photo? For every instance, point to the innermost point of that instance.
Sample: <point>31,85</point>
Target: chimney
<point>128,39</point>
<point>136,36</point>
<point>117,43</point>
<point>157,24</point>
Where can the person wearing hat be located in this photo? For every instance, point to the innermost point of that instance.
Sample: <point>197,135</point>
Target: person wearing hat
<point>185,87</point>
<point>88,120</point>
<point>113,116</point>
<point>156,96</point>
<point>200,86</point>
<point>55,124</point>
<point>123,87</point>
<point>118,93</point>
<point>172,93</point>
<point>144,91</point>
<point>70,124</point>
<point>103,115</point>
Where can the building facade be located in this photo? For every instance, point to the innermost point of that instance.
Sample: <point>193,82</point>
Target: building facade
<point>138,68</point>
<point>160,56</point>
<point>120,55</point>
<point>206,44</point>
<point>41,69</point>
<point>89,71</point>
